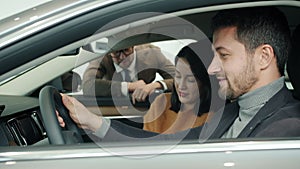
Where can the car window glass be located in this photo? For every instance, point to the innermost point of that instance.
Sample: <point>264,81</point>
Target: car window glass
<point>168,47</point>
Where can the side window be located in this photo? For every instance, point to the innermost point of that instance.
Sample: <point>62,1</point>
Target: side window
<point>108,106</point>
<point>169,48</point>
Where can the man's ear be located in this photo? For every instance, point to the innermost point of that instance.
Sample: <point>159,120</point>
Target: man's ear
<point>267,55</point>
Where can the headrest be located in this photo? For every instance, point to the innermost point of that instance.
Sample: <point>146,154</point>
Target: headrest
<point>293,63</point>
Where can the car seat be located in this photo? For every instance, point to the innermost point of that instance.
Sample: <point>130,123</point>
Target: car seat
<point>293,63</point>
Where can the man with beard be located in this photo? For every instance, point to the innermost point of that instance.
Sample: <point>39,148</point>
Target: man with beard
<point>250,51</point>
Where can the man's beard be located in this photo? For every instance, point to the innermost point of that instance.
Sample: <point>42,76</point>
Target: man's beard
<point>241,83</point>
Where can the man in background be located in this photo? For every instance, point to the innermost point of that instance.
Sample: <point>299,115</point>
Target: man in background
<point>129,70</point>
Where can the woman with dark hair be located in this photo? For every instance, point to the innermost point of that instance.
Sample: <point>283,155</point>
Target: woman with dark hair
<point>188,105</point>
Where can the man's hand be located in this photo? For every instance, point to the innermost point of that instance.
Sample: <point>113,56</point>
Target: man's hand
<point>140,94</point>
<point>134,85</point>
<point>80,114</point>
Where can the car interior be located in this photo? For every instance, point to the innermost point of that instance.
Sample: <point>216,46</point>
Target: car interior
<point>21,121</point>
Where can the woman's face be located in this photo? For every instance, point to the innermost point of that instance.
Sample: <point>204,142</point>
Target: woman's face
<point>185,83</point>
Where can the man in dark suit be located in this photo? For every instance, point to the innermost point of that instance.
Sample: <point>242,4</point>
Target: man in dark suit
<point>251,49</point>
<point>129,70</point>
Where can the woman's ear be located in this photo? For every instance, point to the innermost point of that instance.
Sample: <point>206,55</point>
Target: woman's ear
<point>267,55</point>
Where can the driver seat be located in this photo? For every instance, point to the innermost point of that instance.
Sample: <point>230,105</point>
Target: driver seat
<point>293,63</point>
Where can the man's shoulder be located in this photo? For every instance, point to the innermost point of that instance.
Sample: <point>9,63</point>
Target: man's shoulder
<point>146,50</point>
<point>289,109</point>
<point>146,46</point>
<point>105,61</point>
<point>292,105</point>
<point>104,58</point>
<point>284,120</point>
<point>292,109</point>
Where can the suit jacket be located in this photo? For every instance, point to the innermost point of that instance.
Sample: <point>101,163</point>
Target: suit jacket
<point>279,117</point>
<point>101,79</point>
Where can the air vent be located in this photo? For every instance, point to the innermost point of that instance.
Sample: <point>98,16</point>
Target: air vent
<point>14,128</point>
<point>26,129</point>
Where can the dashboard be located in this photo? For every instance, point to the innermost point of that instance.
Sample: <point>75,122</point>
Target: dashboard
<point>20,121</point>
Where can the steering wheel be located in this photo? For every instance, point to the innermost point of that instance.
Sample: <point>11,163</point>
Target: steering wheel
<point>50,100</point>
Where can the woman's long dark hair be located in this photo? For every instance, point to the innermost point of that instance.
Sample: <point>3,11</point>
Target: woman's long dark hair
<point>201,75</point>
